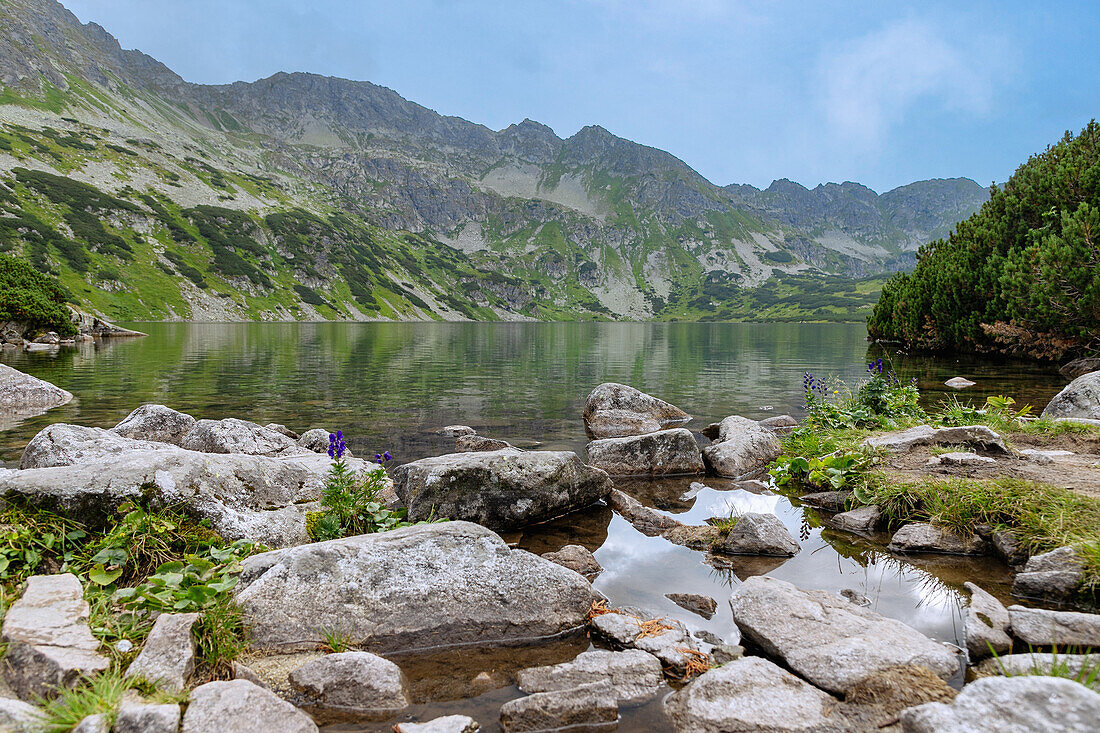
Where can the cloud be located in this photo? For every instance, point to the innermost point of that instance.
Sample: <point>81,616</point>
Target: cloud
<point>871,84</point>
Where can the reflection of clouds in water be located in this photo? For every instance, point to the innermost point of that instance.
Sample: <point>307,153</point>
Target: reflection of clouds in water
<point>626,548</point>
<point>739,502</point>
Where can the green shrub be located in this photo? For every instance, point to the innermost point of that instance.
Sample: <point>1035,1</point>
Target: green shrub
<point>33,298</point>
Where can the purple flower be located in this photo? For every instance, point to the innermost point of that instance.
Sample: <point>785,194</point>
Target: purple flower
<point>387,456</point>
<point>336,445</point>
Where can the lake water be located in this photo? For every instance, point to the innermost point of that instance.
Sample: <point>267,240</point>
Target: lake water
<point>392,386</point>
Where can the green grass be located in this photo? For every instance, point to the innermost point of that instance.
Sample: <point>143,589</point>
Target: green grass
<point>98,695</point>
<point>1060,666</point>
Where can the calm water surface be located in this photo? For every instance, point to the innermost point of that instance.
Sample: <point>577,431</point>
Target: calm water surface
<point>392,386</point>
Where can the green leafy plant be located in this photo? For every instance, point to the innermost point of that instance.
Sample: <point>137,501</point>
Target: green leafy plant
<point>37,541</point>
<point>829,472</point>
<point>192,584</point>
<point>881,401</point>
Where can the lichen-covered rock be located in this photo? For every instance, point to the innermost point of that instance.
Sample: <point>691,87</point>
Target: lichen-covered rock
<point>924,537</point>
<point>902,441</point>
<point>156,423</point>
<point>50,645</point>
<point>1045,704</point>
<point>359,681</point>
<point>586,705</point>
<point>231,435</point>
<point>475,443</point>
<point>751,695</point>
<point>757,534</point>
<point>1080,399</point>
<point>1056,576</point>
<point>986,624</point>
<point>499,489</point>
<point>168,656</point>
<point>826,639</point>
<point>242,707</point>
<point>22,393</point>
<point>672,452</point>
<point>427,585</point>
<point>1060,629</point>
<point>577,558</point>
<point>615,410</point>
<point>742,449</point>
<point>633,675</point>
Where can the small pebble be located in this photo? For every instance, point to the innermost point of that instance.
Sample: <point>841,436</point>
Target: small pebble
<point>124,646</point>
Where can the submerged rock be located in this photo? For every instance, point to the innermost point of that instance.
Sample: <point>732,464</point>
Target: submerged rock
<point>742,449</point>
<point>1061,629</point>
<point>902,441</point>
<point>359,681</point>
<point>1056,575</point>
<point>1079,399</point>
<point>446,724</point>
<point>499,489</point>
<point>748,695</point>
<point>242,707</point>
<point>238,436</point>
<point>156,423</point>
<point>827,640</point>
<point>924,537</point>
<point>633,675</point>
<point>585,705</point>
<point>615,410</point>
<point>663,453</point>
<point>1044,704</point>
<point>49,644</point>
<point>575,557</point>
<point>422,586</point>
<point>986,624</point>
<point>959,383</point>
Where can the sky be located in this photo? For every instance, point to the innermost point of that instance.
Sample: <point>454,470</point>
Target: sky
<point>745,91</point>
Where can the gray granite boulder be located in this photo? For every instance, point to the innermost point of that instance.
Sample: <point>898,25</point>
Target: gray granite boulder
<point>828,640</point>
<point>757,534</point>
<point>16,715</point>
<point>1080,399</point>
<point>156,423</point>
<point>61,444</point>
<point>1056,576</point>
<point>499,489</point>
<point>924,537</point>
<point>751,695</point>
<point>672,452</point>
<point>863,519</point>
<point>986,625</point>
<point>422,586</point>
<point>315,440</point>
<point>577,707</point>
<point>50,645</point>
<point>242,707</point>
<point>577,558</point>
<point>742,449</point>
<point>615,410</point>
<point>21,393</point>
<point>634,675</point>
<point>476,443</point>
<point>168,656</point>
<point>231,435</point>
<point>1011,705</point>
<point>1061,629</point>
<point>902,441</point>
<point>359,681</point>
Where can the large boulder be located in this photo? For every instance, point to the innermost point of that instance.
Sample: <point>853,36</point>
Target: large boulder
<point>423,586</point>
<point>1014,704</point>
<point>615,410</point>
<point>1060,629</point>
<point>499,489</point>
<point>360,681</point>
<point>828,640</point>
<point>1079,399</point>
<point>634,675</point>
<point>23,394</point>
<point>238,436</point>
<point>157,423</point>
<point>87,473</point>
<point>242,707</point>
<point>902,441</point>
<point>1055,576</point>
<point>663,453</point>
<point>757,534</point>
<point>50,645</point>
<point>742,449</point>
<point>751,695</point>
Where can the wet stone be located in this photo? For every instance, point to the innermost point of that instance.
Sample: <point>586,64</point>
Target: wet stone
<point>575,557</point>
<point>863,519</point>
<point>633,675</point>
<point>446,724</point>
<point>924,537</point>
<point>586,705</point>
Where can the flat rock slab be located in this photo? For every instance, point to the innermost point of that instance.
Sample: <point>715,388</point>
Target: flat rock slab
<point>749,695</point>
<point>1056,575</point>
<point>49,643</point>
<point>499,489</point>
<point>1013,704</point>
<point>671,452</point>
<point>905,440</point>
<point>1061,629</point>
<point>613,410</point>
<point>757,534</point>
<point>633,675</point>
<point>1079,399</point>
<point>586,705</point>
<point>1045,457</point>
<point>742,449</point>
<point>446,724</point>
<point>357,681</point>
<point>828,640</point>
<point>413,588</point>
<point>986,624</point>
<point>965,459</point>
<point>923,537</point>
<point>168,656</point>
<point>242,707</point>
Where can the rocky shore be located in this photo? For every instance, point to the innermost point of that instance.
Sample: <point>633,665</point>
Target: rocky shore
<point>335,627</point>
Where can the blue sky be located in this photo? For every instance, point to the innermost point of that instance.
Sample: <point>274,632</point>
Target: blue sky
<point>883,93</point>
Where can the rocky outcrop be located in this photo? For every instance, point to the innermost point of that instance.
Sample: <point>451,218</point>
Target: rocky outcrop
<point>577,558</point>
<point>986,625</point>
<point>156,423</point>
<point>757,534</point>
<point>828,640</point>
<point>354,681</point>
<point>1079,399</point>
<point>742,448</point>
<point>499,489</point>
<point>584,707</point>
<point>168,656</point>
<point>242,707</point>
<point>750,695</point>
<point>1056,576</point>
<point>23,394</point>
<point>49,644</point>
<point>1044,704</point>
<point>1060,629</point>
<point>924,537</point>
<point>393,591</point>
<point>902,441</point>
<point>633,676</point>
<point>615,410</point>
<point>671,452</point>
<point>231,435</point>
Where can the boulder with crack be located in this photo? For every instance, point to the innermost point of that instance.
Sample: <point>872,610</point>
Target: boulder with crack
<point>742,448</point>
<point>614,410</point>
<point>672,452</point>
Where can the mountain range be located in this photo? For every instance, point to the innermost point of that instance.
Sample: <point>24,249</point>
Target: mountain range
<point>300,196</point>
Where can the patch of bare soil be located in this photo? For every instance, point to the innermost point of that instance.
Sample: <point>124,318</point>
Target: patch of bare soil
<point>1078,471</point>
